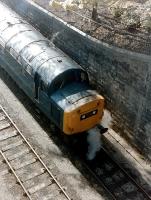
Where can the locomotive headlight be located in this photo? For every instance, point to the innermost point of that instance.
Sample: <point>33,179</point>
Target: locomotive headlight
<point>89,114</point>
<point>94,112</point>
<point>83,116</point>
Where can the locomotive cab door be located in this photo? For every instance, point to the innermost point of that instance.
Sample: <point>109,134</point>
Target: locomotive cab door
<point>37,86</point>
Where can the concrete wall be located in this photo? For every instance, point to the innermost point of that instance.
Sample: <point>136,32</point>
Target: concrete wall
<point>123,77</point>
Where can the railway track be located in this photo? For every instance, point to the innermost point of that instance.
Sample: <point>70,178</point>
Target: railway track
<point>115,180</point>
<point>20,159</point>
<point>37,182</point>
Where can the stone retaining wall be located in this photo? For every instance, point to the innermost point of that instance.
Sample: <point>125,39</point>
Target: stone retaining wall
<point>123,77</point>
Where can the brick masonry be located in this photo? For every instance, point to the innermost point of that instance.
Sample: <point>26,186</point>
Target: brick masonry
<point>123,77</point>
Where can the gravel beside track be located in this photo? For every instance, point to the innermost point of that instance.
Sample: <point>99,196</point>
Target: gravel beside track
<point>19,158</point>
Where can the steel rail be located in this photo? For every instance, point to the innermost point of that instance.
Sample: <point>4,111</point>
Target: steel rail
<point>99,181</point>
<point>43,164</point>
<point>124,172</point>
<point>130,177</point>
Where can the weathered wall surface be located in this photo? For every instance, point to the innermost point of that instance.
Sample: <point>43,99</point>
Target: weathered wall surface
<point>123,77</point>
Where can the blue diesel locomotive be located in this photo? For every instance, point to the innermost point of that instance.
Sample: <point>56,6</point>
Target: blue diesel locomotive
<point>54,82</point>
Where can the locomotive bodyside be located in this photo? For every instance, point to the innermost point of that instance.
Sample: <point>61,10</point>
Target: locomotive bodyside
<point>57,85</point>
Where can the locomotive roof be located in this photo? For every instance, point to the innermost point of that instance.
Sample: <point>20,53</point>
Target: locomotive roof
<point>33,51</point>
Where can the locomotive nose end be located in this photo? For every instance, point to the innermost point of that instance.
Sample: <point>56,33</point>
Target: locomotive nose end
<point>83,115</point>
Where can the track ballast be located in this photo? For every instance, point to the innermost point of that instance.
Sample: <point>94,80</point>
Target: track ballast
<point>18,157</point>
<point>115,180</point>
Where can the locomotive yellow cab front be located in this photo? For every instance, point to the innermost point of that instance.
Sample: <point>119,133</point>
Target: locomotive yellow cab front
<point>83,114</point>
<point>82,111</point>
